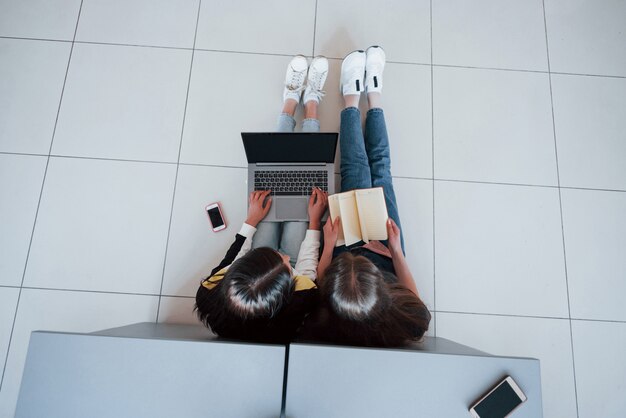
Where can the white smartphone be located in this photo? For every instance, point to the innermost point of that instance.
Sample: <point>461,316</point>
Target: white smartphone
<point>216,217</point>
<point>500,401</point>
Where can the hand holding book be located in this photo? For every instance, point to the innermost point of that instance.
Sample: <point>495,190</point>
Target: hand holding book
<point>394,243</point>
<point>363,215</point>
<point>332,229</point>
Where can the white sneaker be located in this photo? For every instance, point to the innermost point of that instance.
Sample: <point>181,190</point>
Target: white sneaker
<point>374,66</point>
<point>318,71</point>
<point>352,73</point>
<point>294,79</point>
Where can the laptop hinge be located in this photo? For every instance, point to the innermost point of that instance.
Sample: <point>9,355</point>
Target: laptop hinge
<point>291,164</point>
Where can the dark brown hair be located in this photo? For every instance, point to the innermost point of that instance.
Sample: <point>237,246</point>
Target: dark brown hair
<point>361,305</point>
<point>245,302</point>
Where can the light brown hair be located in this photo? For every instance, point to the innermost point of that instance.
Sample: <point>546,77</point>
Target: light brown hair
<point>361,305</point>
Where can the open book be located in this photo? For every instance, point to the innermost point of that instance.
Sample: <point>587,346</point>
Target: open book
<point>363,215</point>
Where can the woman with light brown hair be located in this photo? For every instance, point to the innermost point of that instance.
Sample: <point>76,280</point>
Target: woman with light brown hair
<point>368,295</point>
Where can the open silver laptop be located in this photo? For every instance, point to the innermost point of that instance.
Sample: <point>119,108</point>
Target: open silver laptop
<point>290,164</point>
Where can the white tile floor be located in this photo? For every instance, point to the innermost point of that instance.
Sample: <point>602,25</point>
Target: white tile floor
<point>120,120</point>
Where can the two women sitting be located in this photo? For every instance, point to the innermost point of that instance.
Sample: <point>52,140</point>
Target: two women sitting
<point>273,286</point>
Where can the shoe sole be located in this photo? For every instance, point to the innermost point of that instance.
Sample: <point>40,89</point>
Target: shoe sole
<point>374,46</point>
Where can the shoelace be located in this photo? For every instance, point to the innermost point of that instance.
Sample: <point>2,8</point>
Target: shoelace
<point>296,78</point>
<point>317,93</point>
<point>315,82</point>
<point>297,90</point>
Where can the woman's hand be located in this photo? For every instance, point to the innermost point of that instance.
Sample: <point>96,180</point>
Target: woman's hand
<point>317,206</point>
<point>393,238</point>
<point>405,278</point>
<point>258,207</point>
<point>331,232</point>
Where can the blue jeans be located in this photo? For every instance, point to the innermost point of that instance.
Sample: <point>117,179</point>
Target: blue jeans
<point>365,160</point>
<point>286,123</point>
<point>285,237</point>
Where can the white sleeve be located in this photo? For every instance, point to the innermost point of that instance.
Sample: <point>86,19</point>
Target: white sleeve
<point>248,232</point>
<point>308,257</point>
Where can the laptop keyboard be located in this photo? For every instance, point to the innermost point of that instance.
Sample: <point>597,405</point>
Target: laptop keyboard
<point>290,183</point>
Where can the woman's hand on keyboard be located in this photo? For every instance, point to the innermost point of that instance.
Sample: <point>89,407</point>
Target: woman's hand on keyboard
<point>318,202</point>
<point>259,207</point>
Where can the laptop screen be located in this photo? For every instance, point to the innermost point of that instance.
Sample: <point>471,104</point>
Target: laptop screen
<point>290,147</point>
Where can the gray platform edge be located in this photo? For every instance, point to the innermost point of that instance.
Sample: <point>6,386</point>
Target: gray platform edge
<point>151,330</point>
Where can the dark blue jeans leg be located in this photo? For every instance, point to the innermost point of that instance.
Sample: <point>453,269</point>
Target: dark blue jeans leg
<point>377,148</point>
<point>355,169</point>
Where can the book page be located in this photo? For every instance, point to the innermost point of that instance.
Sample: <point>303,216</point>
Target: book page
<point>349,217</point>
<point>372,213</point>
<point>333,208</point>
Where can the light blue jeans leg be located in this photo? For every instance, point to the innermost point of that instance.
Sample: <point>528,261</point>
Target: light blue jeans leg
<point>285,123</point>
<point>286,237</point>
<point>267,235</point>
<point>355,167</point>
<point>377,146</point>
<point>291,239</point>
<point>310,125</point>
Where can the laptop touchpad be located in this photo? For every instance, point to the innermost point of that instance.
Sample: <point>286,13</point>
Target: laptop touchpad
<point>291,208</point>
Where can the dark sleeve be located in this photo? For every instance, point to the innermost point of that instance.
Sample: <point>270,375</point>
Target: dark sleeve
<point>230,254</point>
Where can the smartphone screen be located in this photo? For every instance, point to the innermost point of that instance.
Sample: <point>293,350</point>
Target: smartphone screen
<point>499,403</point>
<point>216,217</point>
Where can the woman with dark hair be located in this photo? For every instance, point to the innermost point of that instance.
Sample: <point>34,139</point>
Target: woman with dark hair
<point>368,295</point>
<point>256,293</point>
<point>264,286</point>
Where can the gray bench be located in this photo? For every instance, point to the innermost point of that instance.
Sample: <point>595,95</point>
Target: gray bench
<point>159,370</point>
<point>149,370</point>
<point>438,378</point>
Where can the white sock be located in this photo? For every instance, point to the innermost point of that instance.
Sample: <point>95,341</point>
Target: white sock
<point>351,100</point>
<point>375,100</point>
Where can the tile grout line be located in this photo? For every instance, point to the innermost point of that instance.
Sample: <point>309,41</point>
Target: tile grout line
<point>495,183</point>
<point>432,151</point>
<point>504,315</point>
<point>612,321</point>
<point>23,153</point>
<point>228,51</point>
<point>80,157</point>
<point>179,48</point>
<point>594,189</point>
<point>524,185</point>
<point>473,67</point>
<point>558,179</point>
<point>43,183</point>
<point>22,38</point>
<point>180,146</point>
<point>110,292</point>
<point>314,29</point>
<point>588,75</point>
<point>105,292</point>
